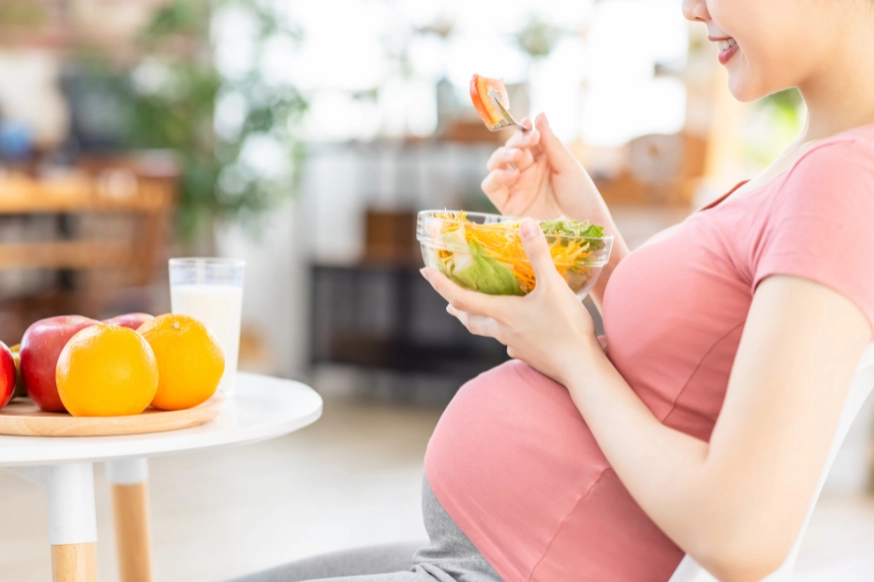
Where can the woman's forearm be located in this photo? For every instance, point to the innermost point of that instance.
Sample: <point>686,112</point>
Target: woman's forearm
<point>737,503</point>
<point>664,470</point>
<point>656,464</point>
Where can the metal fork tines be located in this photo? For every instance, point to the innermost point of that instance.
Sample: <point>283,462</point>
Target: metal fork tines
<point>507,119</point>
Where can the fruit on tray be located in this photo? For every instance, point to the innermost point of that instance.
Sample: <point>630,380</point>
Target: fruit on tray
<point>20,391</point>
<point>40,347</point>
<point>107,370</point>
<point>190,361</point>
<point>7,375</point>
<point>129,320</point>
<point>87,368</point>
<point>483,93</point>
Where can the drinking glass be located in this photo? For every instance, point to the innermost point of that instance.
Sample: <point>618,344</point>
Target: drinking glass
<point>211,291</point>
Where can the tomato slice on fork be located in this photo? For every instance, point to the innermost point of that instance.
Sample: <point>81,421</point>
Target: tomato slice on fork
<point>484,102</point>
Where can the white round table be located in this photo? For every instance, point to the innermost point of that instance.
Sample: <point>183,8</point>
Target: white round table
<point>263,408</point>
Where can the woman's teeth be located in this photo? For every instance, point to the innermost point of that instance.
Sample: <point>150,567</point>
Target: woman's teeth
<point>724,45</point>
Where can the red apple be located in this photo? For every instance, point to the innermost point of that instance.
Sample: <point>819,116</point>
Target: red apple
<point>40,348</point>
<point>130,320</point>
<point>7,375</point>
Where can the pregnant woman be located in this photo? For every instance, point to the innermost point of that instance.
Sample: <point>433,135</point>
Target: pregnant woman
<point>702,424</point>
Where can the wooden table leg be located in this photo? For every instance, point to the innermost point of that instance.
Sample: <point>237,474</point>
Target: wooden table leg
<point>74,563</point>
<point>130,507</point>
<point>72,519</point>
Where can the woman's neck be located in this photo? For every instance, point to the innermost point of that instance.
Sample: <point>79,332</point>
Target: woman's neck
<point>840,95</point>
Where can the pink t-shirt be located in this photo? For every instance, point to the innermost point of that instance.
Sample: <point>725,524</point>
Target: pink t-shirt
<point>513,462</point>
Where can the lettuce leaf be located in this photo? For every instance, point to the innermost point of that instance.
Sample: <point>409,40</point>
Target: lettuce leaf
<point>570,227</point>
<point>485,274</point>
<point>476,270</point>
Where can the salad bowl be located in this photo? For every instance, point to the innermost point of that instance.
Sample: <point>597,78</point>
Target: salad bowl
<point>484,252</point>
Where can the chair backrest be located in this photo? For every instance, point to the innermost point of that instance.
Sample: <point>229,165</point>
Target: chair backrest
<point>863,382</point>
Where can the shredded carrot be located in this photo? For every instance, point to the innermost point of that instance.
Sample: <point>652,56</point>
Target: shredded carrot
<point>502,242</point>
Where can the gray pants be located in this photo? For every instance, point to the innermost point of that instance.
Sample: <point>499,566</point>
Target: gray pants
<point>448,557</point>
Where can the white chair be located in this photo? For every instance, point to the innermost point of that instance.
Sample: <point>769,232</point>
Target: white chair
<point>863,382</point>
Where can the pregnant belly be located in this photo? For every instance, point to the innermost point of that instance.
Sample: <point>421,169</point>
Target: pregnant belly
<point>516,467</point>
<point>511,457</point>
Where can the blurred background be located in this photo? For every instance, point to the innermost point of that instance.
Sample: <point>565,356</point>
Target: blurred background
<point>303,137</point>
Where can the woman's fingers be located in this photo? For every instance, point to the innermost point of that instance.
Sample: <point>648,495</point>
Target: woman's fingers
<point>527,123</point>
<point>470,302</point>
<point>504,158</point>
<point>477,324</point>
<point>524,139</point>
<point>537,250</point>
<point>497,185</point>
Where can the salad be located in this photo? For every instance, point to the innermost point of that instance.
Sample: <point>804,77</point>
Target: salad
<point>486,253</point>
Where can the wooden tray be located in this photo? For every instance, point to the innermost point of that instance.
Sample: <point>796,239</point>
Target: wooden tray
<point>23,418</point>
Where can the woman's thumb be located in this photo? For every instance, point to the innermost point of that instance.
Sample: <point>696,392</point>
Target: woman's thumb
<point>537,250</point>
<point>560,158</point>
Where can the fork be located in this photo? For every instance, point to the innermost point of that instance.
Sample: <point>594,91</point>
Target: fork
<point>506,119</point>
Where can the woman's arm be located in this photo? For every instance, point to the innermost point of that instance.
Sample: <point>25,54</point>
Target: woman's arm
<point>738,503</point>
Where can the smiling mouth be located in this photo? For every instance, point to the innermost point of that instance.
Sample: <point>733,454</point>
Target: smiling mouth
<point>724,45</point>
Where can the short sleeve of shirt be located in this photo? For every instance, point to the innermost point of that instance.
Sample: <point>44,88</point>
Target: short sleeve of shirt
<point>821,227</point>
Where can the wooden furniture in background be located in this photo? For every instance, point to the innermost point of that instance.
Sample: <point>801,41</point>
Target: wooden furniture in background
<point>382,315</point>
<point>114,190</point>
<point>391,236</point>
<point>473,131</point>
<point>64,26</point>
<point>108,222</point>
<point>663,170</point>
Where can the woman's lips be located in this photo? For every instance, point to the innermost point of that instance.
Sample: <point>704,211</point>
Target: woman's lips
<point>727,48</point>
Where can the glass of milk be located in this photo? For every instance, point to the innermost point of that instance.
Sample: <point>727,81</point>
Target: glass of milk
<point>211,291</point>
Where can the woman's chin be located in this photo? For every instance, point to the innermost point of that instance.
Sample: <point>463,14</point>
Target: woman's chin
<point>742,89</point>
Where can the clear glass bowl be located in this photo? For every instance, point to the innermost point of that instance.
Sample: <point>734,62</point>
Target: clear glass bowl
<point>484,252</point>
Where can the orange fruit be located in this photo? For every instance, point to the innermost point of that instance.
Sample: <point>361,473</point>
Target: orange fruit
<point>106,370</point>
<point>190,361</point>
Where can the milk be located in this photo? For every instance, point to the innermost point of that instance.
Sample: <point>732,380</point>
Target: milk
<point>219,308</point>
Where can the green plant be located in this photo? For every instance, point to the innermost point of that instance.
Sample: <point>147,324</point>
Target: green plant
<point>176,89</point>
<point>773,125</point>
<point>538,37</point>
<point>787,105</point>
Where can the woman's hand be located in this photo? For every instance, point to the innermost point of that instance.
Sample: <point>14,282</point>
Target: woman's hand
<point>549,329</point>
<point>535,175</point>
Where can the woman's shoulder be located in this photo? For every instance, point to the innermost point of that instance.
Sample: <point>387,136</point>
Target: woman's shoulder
<point>862,134</point>
<point>831,172</point>
<point>848,149</point>
<point>818,223</point>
